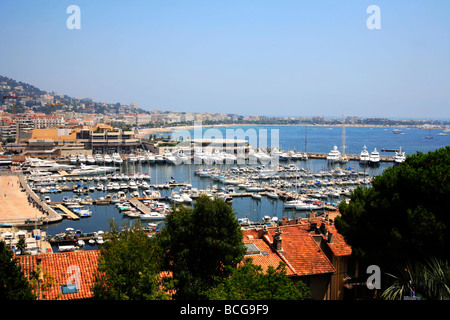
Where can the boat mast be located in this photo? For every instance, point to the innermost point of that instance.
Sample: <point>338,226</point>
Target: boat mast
<point>306,136</point>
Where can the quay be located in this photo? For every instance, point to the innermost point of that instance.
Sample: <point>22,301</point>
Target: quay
<point>350,157</point>
<point>20,206</point>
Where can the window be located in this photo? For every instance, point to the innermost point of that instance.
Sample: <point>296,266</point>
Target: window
<point>69,288</point>
<point>251,249</point>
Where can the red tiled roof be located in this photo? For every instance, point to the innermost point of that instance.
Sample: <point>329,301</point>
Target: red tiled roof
<point>302,252</point>
<point>269,259</point>
<point>62,267</point>
<point>339,246</point>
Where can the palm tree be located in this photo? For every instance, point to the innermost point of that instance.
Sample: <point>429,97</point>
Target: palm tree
<point>431,280</point>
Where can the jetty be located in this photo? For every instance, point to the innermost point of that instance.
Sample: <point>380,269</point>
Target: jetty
<point>139,205</point>
<point>66,211</point>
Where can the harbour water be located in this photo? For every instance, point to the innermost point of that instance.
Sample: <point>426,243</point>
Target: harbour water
<point>320,139</point>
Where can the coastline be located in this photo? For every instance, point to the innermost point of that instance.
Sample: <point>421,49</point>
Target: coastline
<point>190,127</point>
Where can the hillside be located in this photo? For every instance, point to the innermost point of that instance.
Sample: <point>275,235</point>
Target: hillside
<point>30,97</point>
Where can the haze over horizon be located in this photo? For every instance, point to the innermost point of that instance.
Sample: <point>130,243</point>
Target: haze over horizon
<point>261,57</point>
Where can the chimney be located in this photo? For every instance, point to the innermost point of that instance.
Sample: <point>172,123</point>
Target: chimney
<point>277,240</point>
<point>330,237</point>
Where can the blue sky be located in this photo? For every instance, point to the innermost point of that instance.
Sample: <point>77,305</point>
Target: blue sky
<point>267,57</point>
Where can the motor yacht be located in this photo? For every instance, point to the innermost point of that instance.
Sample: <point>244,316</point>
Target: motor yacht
<point>132,158</point>
<point>116,158</point>
<point>374,158</point>
<point>81,158</point>
<point>334,155</point>
<point>73,159</point>
<point>90,159</point>
<point>107,159</point>
<point>99,158</point>
<point>141,158</point>
<point>150,158</point>
<point>364,156</point>
<point>399,157</point>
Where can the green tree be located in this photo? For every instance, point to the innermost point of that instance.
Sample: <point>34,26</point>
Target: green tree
<point>13,283</point>
<point>21,245</point>
<point>249,282</point>
<point>404,215</point>
<point>129,266</point>
<point>200,244</point>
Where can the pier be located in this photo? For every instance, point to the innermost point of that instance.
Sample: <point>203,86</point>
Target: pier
<point>67,212</point>
<point>139,205</point>
<point>350,157</point>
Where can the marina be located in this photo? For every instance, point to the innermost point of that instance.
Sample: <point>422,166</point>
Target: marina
<point>85,193</point>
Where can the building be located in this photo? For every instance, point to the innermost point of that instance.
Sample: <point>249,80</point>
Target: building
<point>70,274</point>
<point>312,249</point>
<point>53,143</point>
<point>103,141</point>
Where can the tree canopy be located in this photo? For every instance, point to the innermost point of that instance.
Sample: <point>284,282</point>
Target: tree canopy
<point>200,244</point>
<point>13,284</point>
<point>129,266</point>
<point>250,282</point>
<point>404,215</point>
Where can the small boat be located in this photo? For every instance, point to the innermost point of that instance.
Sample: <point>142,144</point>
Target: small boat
<point>272,195</point>
<point>152,216</point>
<point>256,196</point>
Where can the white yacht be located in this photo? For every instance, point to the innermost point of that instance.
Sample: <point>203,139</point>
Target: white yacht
<point>170,159</point>
<point>132,158</point>
<point>399,157</point>
<point>364,156</point>
<point>116,158</point>
<point>107,159</point>
<point>141,158</point>
<point>334,155</point>
<point>308,206</point>
<point>99,158</point>
<point>150,158</point>
<point>90,159</point>
<point>374,158</point>
<point>81,158</point>
<point>159,158</point>
<point>132,185</point>
<point>36,163</point>
<point>181,157</point>
<point>73,159</point>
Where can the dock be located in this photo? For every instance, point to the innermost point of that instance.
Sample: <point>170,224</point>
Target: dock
<point>67,212</point>
<point>350,157</point>
<point>139,205</point>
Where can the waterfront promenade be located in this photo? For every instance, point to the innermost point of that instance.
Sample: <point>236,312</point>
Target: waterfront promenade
<point>19,205</point>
